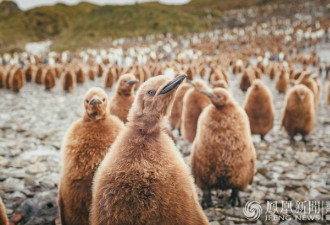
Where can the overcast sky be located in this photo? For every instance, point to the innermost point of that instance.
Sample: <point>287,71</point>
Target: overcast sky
<point>27,4</point>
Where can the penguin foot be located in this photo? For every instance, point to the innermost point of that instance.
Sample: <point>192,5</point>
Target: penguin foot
<point>292,140</point>
<point>235,198</point>
<point>206,200</point>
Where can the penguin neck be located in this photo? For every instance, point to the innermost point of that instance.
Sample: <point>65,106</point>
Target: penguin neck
<point>125,92</point>
<point>147,125</point>
<point>97,118</point>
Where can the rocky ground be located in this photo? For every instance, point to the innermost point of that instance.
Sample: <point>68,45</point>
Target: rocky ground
<point>34,121</point>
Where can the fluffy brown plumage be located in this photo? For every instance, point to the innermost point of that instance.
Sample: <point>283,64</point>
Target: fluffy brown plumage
<point>38,75</point>
<point>49,79</point>
<point>80,75</point>
<point>193,104</point>
<point>122,100</point>
<point>282,82</point>
<point>3,216</point>
<point>110,77</point>
<point>299,112</point>
<point>176,112</point>
<point>91,73</point>
<point>223,155</point>
<point>308,81</point>
<point>246,80</point>
<point>29,74</point>
<point>100,70</point>
<point>5,78</point>
<point>16,80</point>
<point>259,108</point>
<point>68,81</point>
<point>84,147</point>
<point>2,79</point>
<point>143,179</point>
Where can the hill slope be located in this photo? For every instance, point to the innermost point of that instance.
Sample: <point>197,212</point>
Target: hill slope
<point>85,24</point>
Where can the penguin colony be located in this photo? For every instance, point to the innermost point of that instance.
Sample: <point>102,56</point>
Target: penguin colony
<point>120,166</point>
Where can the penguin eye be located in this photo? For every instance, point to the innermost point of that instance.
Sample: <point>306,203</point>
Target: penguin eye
<point>151,92</point>
<point>87,101</point>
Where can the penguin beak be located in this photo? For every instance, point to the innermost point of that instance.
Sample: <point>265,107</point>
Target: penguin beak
<point>131,82</point>
<point>301,98</point>
<point>173,84</point>
<point>95,101</point>
<point>207,93</point>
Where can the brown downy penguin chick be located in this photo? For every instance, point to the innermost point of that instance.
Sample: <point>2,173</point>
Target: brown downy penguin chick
<point>190,72</point>
<point>193,104</point>
<point>319,88</point>
<point>68,81</point>
<point>110,77</point>
<point>143,180</point>
<point>176,112</point>
<point>5,78</point>
<point>29,74</point>
<point>2,75</point>
<point>16,80</point>
<point>223,155</point>
<point>100,70</point>
<point>38,75</point>
<point>84,147</point>
<point>282,82</point>
<point>3,216</point>
<point>299,112</point>
<point>92,73</point>
<point>220,84</point>
<point>272,72</point>
<point>259,108</point>
<point>80,75</point>
<point>49,79</point>
<point>245,81</point>
<point>123,99</point>
<point>309,82</point>
<point>328,91</point>
<point>138,71</point>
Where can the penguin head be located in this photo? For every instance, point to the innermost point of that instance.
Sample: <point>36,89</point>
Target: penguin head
<point>219,97</point>
<point>257,83</point>
<point>95,103</point>
<point>155,97</point>
<point>220,84</point>
<point>301,92</point>
<point>126,84</point>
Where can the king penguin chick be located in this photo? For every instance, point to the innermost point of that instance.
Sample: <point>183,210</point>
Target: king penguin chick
<point>223,155</point>
<point>299,112</point>
<point>143,180</point>
<point>193,104</point>
<point>282,82</point>
<point>16,80</point>
<point>176,112</point>
<point>259,108</point>
<point>68,81</point>
<point>122,101</point>
<point>85,146</point>
<point>49,79</point>
<point>3,217</point>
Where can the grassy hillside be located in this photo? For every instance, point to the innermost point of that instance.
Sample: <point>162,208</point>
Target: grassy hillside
<point>85,24</point>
